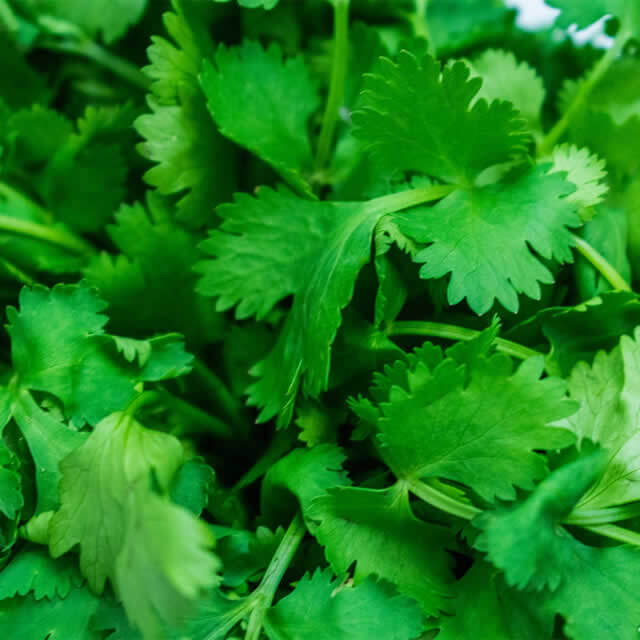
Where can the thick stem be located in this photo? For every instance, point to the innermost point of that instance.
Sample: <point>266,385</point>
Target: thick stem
<point>592,517</point>
<point>601,264</point>
<point>395,202</point>
<point>617,533</point>
<point>441,500</point>
<point>453,332</point>
<point>584,91</point>
<point>336,83</point>
<point>92,51</point>
<point>280,562</point>
<point>53,235</point>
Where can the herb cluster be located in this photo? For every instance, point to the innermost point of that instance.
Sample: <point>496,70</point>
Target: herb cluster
<point>320,321</point>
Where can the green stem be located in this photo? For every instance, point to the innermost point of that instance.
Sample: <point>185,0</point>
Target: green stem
<point>336,84</point>
<point>205,422</point>
<point>89,49</point>
<point>592,517</point>
<point>420,24</point>
<point>53,235</point>
<point>224,399</point>
<point>280,562</point>
<point>14,195</point>
<point>8,18</point>
<point>601,264</point>
<point>21,276</point>
<point>453,332</point>
<point>448,504</point>
<point>441,500</point>
<point>617,533</point>
<point>395,202</point>
<point>584,91</point>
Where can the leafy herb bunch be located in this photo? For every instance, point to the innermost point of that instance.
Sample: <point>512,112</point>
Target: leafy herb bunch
<point>320,323</point>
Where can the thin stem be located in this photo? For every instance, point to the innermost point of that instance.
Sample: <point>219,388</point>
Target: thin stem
<point>336,84</point>
<point>586,87</point>
<point>225,400</point>
<point>441,500</point>
<point>601,264</point>
<point>453,332</point>
<point>21,276</point>
<point>280,562</point>
<point>594,517</point>
<point>8,18</point>
<point>409,198</point>
<point>53,235</point>
<point>92,51</point>
<point>14,195</point>
<point>616,533</point>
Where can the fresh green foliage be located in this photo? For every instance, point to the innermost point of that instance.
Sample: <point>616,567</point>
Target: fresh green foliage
<point>320,323</point>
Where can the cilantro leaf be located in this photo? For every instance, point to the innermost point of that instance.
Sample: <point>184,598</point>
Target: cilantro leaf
<point>157,256</point>
<point>583,577</point>
<point>164,565</point>
<point>33,570</point>
<point>73,361</point>
<point>378,531</point>
<point>313,250</point>
<point>49,442</point>
<point>263,103</point>
<point>307,474</point>
<point>57,619</point>
<point>504,77</point>
<point>474,413</point>
<point>547,558</point>
<point>11,500</point>
<point>122,450</point>
<point>179,134</point>
<point>576,12</point>
<point>608,416</point>
<point>340,611</point>
<point>416,117</point>
<point>464,229</point>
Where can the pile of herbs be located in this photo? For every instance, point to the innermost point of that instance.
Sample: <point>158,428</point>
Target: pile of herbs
<point>319,321</point>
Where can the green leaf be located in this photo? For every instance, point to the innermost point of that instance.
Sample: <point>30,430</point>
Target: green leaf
<point>33,570</point>
<point>478,424</point>
<point>313,250</point>
<point>460,24</point>
<point>58,345</point>
<point>110,18</point>
<point>11,500</point>
<point>190,488</point>
<point>49,442</point>
<point>484,602</point>
<point>57,619</point>
<point>111,616</point>
<point>466,227</point>
<point>378,531</point>
<point>21,84</point>
<point>582,15</point>
<point>263,102</point>
<point>157,256</point>
<point>305,473</point>
<point>583,169</point>
<point>586,579</point>
<point>180,137</point>
<point>542,560</point>
<point>578,333</point>
<point>504,77</point>
<point>608,412</point>
<point>322,608</point>
<point>164,566</point>
<point>416,117</point>
<point>97,480</point>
